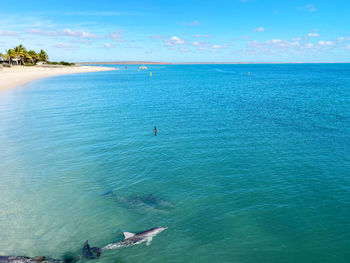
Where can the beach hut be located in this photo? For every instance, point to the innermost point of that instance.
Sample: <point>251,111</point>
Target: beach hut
<point>14,61</point>
<point>41,63</point>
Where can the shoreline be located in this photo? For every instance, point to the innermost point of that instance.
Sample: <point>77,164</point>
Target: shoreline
<point>19,75</point>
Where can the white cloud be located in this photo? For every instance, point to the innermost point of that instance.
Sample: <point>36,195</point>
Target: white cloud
<point>193,23</point>
<point>183,49</point>
<point>65,32</point>
<point>62,45</point>
<point>109,45</point>
<point>259,29</point>
<point>117,35</point>
<point>200,44</point>
<point>341,39</point>
<point>158,37</point>
<point>313,34</point>
<point>325,43</point>
<point>79,34</point>
<point>294,47</point>
<point>203,36</point>
<point>296,39</point>
<point>308,7</point>
<point>6,33</point>
<point>242,38</point>
<point>173,41</point>
<point>276,41</point>
<point>277,45</point>
<point>219,46</point>
<point>253,43</point>
<point>41,32</point>
<point>307,45</point>
<point>295,43</point>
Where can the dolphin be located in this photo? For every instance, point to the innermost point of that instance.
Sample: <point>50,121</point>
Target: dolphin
<point>13,259</point>
<point>130,239</point>
<point>91,252</point>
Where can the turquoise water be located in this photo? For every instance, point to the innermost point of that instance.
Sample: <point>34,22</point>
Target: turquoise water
<point>256,168</point>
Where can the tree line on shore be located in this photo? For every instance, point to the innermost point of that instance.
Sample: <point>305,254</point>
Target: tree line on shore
<point>21,56</point>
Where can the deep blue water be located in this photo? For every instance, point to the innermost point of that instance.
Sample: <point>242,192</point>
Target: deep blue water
<point>254,168</point>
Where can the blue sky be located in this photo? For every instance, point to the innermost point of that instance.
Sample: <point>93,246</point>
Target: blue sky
<point>180,31</point>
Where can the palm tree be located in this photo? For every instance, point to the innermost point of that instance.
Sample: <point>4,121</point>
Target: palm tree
<point>10,54</point>
<point>20,53</point>
<point>34,55</point>
<point>43,55</point>
<point>28,58</point>
<point>20,48</point>
<point>2,58</point>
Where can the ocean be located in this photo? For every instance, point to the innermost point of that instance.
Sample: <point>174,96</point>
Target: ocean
<point>244,168</point>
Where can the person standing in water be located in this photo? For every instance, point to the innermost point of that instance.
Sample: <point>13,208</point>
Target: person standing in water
<point>155,131</point>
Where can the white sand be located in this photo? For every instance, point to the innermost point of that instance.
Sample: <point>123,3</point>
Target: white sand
<point>18,75</point>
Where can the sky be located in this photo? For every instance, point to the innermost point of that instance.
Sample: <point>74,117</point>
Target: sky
<point>180,31</point>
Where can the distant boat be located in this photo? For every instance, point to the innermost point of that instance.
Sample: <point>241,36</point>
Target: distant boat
<point>143,67</point>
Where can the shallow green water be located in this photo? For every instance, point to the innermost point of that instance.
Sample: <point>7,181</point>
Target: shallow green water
<point>257,167</point>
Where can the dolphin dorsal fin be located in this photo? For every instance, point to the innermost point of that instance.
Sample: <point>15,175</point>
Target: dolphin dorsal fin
<point>128,234</point>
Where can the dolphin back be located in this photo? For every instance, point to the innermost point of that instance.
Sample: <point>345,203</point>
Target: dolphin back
<point>91,252</point>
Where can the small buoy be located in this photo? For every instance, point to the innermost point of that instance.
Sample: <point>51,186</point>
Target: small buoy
<point>150,74</point>
<point>249,73</point>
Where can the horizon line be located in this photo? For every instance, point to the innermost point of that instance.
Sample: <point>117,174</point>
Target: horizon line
<point>197,63</point>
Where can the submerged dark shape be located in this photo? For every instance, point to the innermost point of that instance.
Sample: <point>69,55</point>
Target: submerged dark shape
<point>91,252</point>
<point>108,193</point>
<point>150,200</point>
<point>141,201</point>
<point>13,259</point>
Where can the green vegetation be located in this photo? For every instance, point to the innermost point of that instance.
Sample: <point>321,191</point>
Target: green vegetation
<point>43,55</point>
<point>20,56</point>
<point>63,63</point>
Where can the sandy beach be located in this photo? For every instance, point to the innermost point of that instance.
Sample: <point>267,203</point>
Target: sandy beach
<point>18,75</point>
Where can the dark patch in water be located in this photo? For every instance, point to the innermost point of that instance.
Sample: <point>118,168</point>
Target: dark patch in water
<point>142,201</point>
